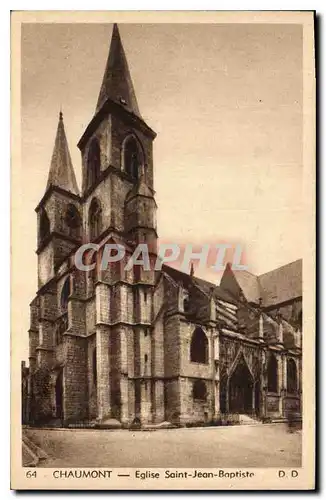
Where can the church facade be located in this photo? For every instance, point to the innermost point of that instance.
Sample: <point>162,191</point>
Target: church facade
<point>146,346</point>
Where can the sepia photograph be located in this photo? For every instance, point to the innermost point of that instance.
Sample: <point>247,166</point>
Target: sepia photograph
<point>165,201</point>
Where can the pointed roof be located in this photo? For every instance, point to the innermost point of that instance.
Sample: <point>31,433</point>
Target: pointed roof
<point>275,287</point>
<point>61,170</point>
<point>117,84</point>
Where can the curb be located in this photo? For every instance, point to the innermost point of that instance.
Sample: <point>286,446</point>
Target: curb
<point>35,451</point>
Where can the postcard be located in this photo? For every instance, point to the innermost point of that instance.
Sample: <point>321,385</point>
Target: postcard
<point>163,250</point>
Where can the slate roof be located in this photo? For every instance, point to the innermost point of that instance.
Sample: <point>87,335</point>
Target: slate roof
<point>249,284</point>
<point>61,172</point>
<point>275,287</point>
<point>117,84</point>
<point>282,284</point>
<point>205,286</point>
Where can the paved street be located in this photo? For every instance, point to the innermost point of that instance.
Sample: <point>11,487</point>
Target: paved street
<point>239,446</point>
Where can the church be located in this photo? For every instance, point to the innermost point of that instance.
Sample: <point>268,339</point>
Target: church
<point>146,346</point>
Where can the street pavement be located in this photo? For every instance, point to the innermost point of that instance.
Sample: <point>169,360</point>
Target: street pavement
<point>269,445</point>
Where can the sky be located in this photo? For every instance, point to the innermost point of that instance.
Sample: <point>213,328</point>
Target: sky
<point>226,103</point>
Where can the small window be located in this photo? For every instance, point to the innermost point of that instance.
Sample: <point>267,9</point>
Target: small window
<point>95,219</point>
<point>199,390</point>
<point>73,221</point>
<point>65,293</point>
<point>145,296</point>
<point>44,225</point>
<point>58,337</point>
<point>199,347</point>
<point>272,376</point>
<point>132,158</point>
<point>93,163</point>
<point>146,358</point>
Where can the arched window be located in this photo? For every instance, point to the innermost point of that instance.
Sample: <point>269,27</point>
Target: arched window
<point>92,273</point>
<point>199,390</point>
<point>199,347</point>
<point>93,163</point>
<point>132,158</point>
<point>65,293</point>
<point>94,366</point>
<point>186,306</point>
<point>95,219</point>
<point>73,221</point>
<point>291,376</point>
<point>44,225</point>
<point>272,377</point>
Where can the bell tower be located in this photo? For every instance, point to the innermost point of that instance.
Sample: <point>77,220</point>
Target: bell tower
<point>118,204</point>
<point>117,155</point>
<point>59,215</point>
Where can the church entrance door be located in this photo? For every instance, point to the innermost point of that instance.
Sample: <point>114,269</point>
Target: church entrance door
<point>241,387</point>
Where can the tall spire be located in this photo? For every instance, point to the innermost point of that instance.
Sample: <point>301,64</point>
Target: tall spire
<point>117,84</point>
<point>61,170</point>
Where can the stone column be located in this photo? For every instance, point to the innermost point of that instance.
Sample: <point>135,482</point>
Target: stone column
<point>131,399</point>
<point>103,371</point>
<point>46,340</point>
<point>285,384</point>
<point>280,331</point>
<point>261,328</point>
<point>227,396</point>
<point>263,385</point>
<point>159,401</point>
<point>216,373</point>
<point>212,309</point>
<point>253,399</point>
<point>216,398</point>
<point>298,367</point>
<point>124,376</point>
<point>280,381</point>
<point>297,338</point>
<point>124,399</point>
<point>145,406</point>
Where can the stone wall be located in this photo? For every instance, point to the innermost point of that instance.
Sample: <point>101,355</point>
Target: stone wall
<point>75,378</point>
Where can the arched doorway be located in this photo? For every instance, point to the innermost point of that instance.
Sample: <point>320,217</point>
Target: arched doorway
<point>59,396</point>
<point>241,389</point>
